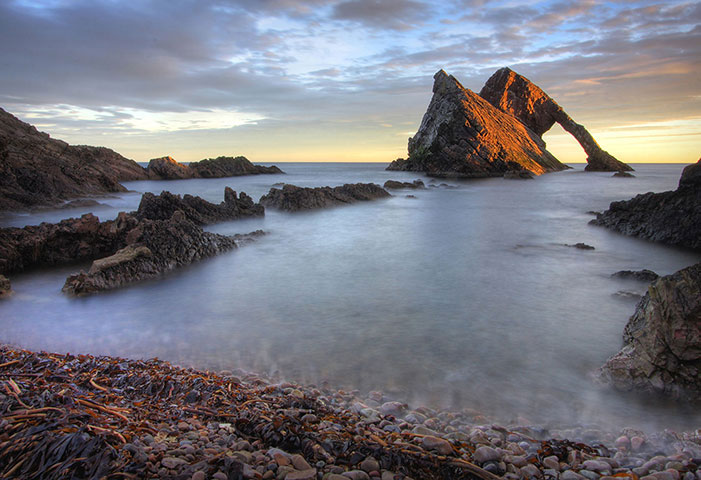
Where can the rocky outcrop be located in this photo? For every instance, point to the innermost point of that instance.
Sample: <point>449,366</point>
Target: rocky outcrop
<point>396,185</point>
<point>463,135</point>
<point>167,168</point>
<point>38,170</point>
<point>292,198</point>
<point>86,238</point>
<point>672,217</point>
<point>155,247</point>
<point>5,286</point>
<point>662,341</point>
<point>198,210</point>
<point>516,95</point>
<point>644,275</point>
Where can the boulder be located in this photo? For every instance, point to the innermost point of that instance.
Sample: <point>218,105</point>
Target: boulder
<point>672,217</point>
<point>394,184</point>
<point>293,198</point>
<point>463,135</point>
<point>516,95</point>
<point>662,341</point>
<point>38,170</point>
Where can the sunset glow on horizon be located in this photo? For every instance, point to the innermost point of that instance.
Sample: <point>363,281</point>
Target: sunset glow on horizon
<point>343,80</point>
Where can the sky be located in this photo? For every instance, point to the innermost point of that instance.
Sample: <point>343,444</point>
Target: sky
<point>342,80</point>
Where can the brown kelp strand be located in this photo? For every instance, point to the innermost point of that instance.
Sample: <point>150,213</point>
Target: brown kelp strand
<point>79,416</point>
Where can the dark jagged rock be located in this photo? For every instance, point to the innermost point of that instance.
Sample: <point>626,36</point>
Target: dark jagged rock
<point>622,174</point>
<point>196,209</point>
<point>463,135</point>
<point>163,234</point>
<point>580,246</point>
<point>5,286</point>
<point>71,240</point>
<point>167,168</point>
<point>292,198</point>
<point>38,170</point>
<point>229,167</point>
<point>516,95</point>
<point>662,341</point>
<point>672,217</point>
<point>394,184</point>
<point>644,275</point>
<point>156,246</point>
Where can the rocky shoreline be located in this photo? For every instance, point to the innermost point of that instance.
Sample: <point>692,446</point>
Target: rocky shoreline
<point>68,416</point>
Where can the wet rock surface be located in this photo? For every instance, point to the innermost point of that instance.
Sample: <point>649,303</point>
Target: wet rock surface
<point>292,198</point>
<point>516,95</point>
<point>167,168</point>
<point>163,234</point>
<point>672,217</point>
<point>662,341</point>
<point>644,275</point>
<point>463,135</point>
<point>38,170</point>
<point>148,419</point>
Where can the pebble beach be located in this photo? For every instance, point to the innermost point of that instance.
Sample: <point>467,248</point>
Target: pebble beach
<point>79,416</point>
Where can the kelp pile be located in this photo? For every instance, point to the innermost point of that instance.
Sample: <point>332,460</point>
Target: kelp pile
<point>79,416</point>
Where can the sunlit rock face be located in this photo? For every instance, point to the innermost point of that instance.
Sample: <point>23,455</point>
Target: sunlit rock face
<point>662,341</point>
<point>463,135</point>
<point>516,95</point>
<point>36,169</point>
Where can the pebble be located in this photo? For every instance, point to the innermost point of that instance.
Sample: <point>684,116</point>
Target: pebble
<point>551,462</point>
<point>356,475</point>
<point>300,463</point>
<point>309,474</point>
<point>435,443</point>
<point>485,454</point>
<point>198,475</point>
<point>369,465</point>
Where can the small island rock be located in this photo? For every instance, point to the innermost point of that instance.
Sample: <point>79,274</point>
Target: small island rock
<point>293,198</point>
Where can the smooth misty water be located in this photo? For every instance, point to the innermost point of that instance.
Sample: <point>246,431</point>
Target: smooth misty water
<point>463,297</point>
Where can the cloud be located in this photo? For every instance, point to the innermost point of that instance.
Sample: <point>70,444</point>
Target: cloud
<point>383,14</point>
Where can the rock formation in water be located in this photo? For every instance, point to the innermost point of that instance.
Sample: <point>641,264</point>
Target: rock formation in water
<point>38,170</point>
<point>154,247</point>
<point>662,341</point>
<point>196,209</point>
<point>516,95</point>
<point>167,168</point>
<point>672,217</point>
<point>396,185</point>
<point>163,234</point>
<point>463,135</point>
<point>644,275</point>
<point>292,198</point>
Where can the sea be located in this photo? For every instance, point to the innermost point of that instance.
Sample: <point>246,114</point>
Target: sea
<point>464,295</point>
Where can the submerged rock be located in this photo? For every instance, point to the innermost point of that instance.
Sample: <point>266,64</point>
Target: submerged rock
<point>38,170</point>
<point>292,198</point>
<point>643,275</point>
<point>463,135</point>
<point>394,184</point>
<point>516,95</point>
<point>662,341</point>
<point>672,217</point>
<point>167,168</point>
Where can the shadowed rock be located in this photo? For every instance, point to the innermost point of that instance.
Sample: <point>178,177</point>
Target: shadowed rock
<point>644,275</point>
<point>292,198</point>
<point>662,341</point>
<point>672,217</point>
<point>394,184</point>
<point>167,168</point>
<point>516,95</point>
<point>5,286</point>
<point>463,135</point>
<point>38,170</point>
